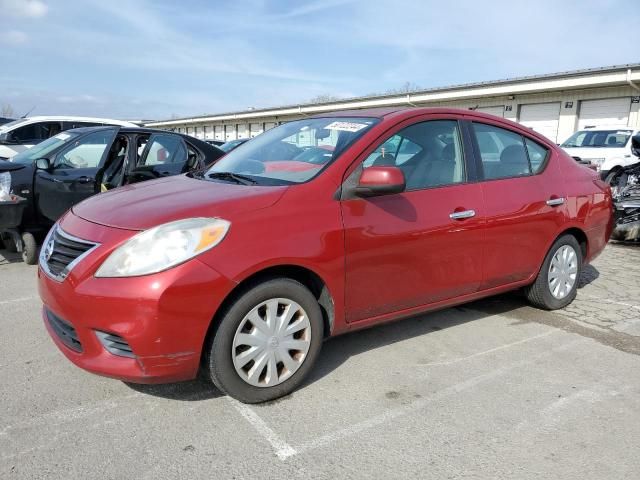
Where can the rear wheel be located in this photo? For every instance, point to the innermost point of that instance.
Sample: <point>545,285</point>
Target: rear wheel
<point>556,285</point>
<point>267,341</point>
<point>29,249</point>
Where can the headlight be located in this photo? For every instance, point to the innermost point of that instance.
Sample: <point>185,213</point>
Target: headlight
<point>163,247</point>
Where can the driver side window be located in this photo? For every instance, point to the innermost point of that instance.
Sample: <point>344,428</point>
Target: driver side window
<point>84,153</point>
<point>428,153</point>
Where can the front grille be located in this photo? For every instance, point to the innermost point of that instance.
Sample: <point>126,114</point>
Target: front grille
<point>115,344</point>
<point>61,252</point>
<point>65,331</point>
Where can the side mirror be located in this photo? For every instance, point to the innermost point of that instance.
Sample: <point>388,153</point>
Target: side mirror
<point>376,181</point>
<point>43,164</point>
<point>635,145</point>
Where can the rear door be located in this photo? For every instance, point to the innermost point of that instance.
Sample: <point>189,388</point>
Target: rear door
<point>524,199</point>
<point>409,249</point>
<point>72,177</point>
<point>165,154</point>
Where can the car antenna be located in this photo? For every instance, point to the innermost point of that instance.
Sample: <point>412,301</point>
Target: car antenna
<point>26,114</point>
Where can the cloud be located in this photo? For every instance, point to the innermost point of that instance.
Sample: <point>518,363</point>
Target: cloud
<point>13,37</point>
<point>23,8</point>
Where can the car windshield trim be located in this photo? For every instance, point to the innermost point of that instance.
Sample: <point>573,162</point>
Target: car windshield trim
<point>292,153</point>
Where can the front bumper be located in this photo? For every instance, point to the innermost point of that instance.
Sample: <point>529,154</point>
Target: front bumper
<point>164,317</point>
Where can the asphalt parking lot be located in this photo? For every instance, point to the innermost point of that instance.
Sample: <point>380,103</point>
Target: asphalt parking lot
<point>493,389</point>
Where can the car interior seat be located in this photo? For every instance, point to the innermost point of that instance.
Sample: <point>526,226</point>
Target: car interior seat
<point>113,171</point>
<point>513,161</point>
<point>384,160</point>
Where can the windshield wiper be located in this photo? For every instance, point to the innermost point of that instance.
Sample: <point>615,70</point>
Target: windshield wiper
<point>234,177</point>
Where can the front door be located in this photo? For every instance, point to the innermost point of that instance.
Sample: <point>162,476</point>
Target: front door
<point>420,246</point>
<point>72,176</point>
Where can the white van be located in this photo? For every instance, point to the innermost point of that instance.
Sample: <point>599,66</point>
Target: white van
<point>608,148</point>
<point>24,133</point>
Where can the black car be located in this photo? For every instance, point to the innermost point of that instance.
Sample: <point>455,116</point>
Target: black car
<point>73,165</point>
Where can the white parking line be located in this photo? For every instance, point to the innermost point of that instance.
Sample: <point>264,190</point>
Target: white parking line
<point>21,299</point>
<point>606,300</point>
<point>485,352</point>
<point>282,449</point>
<point>423,402</point>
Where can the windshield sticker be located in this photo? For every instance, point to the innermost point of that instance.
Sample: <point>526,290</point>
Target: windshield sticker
<point>346,126</point>
<point>62,136</point>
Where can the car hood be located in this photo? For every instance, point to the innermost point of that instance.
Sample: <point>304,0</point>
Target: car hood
<point>7,166</point>
<point>144,205</point>
<point>586,153</point>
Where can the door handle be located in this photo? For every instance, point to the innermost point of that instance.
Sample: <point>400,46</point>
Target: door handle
<point>85,180</point>
<point>554,202</point>
<point>462,214</point>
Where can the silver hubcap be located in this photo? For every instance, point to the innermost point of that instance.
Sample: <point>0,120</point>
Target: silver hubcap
<point>271,342</point>
<point>563,272</point>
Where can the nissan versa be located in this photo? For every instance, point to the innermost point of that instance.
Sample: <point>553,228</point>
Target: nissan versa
<point>318,227</point>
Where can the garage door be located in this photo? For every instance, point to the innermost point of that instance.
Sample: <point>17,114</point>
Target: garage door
<point>541,117</point>
<point>229,132</point>
<point>497,111</point>
<point>243,130</point>
<point>218,132</point>
<point>611,111</point>
<point>256,129</point>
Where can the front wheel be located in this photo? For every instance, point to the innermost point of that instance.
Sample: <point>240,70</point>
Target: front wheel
<point>267,341</point>
<point>29,249</point>
<point>556,285</point>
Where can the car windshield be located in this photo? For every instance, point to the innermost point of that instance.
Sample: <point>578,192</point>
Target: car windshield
<point>598,138</point>
<point>291,153</point>
<point>42,149</point>
<point>7,126</point>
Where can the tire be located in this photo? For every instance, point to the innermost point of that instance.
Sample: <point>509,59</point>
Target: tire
<point>540,293</point>
<point>29,249</point>
<point>249,383</point>
<point>611,176</point>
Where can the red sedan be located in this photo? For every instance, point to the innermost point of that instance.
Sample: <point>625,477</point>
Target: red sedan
<point>244,269</point>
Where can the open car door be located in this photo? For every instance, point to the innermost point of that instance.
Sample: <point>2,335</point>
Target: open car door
<point>72,175</point>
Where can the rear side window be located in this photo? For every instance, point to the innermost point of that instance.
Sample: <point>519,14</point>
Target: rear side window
<point>537,155</point>
<point>502,151</point>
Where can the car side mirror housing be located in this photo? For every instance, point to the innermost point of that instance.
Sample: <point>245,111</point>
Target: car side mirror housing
<point>375,181</point>
<point>43,164</point>
<point>635,145</point>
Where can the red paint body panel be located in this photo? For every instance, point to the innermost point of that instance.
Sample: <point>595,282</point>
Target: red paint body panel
<point>403,250</point>
<point>380,258</point>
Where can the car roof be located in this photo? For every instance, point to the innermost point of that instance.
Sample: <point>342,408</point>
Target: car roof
<point>65,118</point>
<point>595,128</point>
<point>403,113</point>
<point>142,130</point>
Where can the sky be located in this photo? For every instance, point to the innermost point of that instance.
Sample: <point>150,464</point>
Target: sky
<point>157,59</point>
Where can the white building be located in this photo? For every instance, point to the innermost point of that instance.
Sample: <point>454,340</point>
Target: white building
<point>555,105</point>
